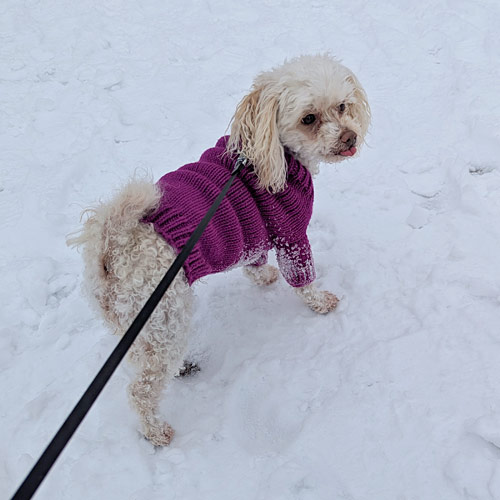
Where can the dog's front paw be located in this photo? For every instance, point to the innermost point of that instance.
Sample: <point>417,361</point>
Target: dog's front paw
<point>160,435</point>
<point>320,301</point>
<point>324,303</point>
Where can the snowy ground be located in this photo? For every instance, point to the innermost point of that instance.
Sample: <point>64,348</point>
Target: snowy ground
<point>393,397</point>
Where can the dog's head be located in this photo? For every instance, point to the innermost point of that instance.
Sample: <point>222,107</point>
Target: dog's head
<point>312,107</point>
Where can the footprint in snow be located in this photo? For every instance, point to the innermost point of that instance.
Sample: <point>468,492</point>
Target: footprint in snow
<point>480,169</point>
<point>475,469</point>
<point>264,418</point>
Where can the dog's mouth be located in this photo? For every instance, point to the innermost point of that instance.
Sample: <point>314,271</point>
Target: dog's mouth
<point>335,154</point>
<point>348,152</point>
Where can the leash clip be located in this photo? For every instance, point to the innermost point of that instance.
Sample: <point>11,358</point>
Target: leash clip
<point>240,162</point>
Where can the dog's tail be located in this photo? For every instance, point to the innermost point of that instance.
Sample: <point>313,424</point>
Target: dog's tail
<point>110,238</point>
<point>113,219</point>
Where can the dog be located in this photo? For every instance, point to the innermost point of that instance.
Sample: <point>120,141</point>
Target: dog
<point>309,110</point>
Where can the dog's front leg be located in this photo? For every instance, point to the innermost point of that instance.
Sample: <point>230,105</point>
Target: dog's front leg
<point>260,272</point>
<point>261,275</point>
<point>296,265</point>
<point>320,301</point>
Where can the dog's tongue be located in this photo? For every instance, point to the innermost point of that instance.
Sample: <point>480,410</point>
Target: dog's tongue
<point>349,152</point>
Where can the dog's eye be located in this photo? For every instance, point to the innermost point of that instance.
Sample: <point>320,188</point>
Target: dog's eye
<point>341,108</point>
<point>308,119</point>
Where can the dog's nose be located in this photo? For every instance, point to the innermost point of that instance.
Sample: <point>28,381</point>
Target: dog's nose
<point>349,138</point>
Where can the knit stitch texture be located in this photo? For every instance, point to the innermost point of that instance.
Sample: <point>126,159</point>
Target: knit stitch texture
<point>248,223</point>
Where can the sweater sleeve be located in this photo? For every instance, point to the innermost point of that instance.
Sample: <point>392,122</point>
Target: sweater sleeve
<point>295,261</point>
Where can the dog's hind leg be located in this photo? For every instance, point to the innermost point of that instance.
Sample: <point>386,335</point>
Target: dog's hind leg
<point>145,394</point>
<point>125,260</point>
<point>159,355</point>
<point>145,391</point>
<point>158,352</point>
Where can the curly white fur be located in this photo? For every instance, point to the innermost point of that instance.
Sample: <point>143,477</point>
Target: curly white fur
<point>125,258</point>
<point>124,262</point>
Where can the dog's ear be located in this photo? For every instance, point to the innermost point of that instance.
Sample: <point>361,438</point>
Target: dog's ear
<point>360,109</point>
<point>254,132</point>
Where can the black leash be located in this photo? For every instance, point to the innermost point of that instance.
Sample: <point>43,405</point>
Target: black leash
<point>64,434</point>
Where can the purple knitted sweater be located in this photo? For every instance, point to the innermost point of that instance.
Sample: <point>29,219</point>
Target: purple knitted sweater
<point>249,221</point>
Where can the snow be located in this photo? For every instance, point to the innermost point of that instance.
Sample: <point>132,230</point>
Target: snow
<point>394,396</point>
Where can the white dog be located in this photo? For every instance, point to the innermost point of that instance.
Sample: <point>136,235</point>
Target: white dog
<point>310,110</point>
